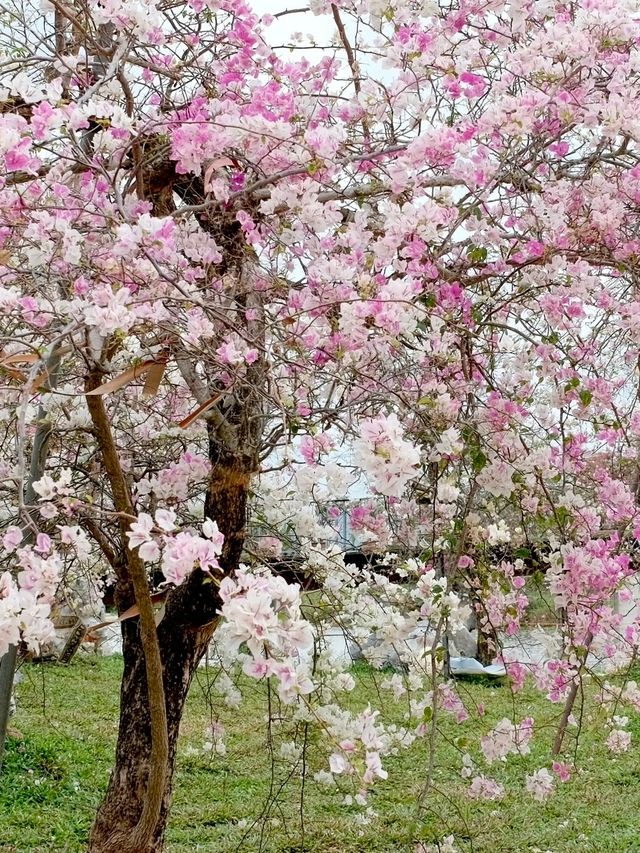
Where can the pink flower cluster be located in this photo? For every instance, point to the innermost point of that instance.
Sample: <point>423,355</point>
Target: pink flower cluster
<point>388,459</point>
<point>181,551</point>
<point>26,595</point>
<point>262,612</point>
<point>507,737</point>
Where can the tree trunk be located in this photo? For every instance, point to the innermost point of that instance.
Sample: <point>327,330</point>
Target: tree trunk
<point>191,610</point>
<point>486,644</point>
<point>181,652</point>
<point>184,634</point>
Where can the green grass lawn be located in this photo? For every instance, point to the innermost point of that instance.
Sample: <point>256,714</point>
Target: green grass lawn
<point>540,610</point>
<point>245,800</point>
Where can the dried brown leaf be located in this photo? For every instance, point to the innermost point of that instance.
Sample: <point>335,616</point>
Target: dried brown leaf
<point>129,613</point>
<point>154,378</point>
<point>216,164</point>
<point>39,380</point>
<point>123,379</point>
<point>19,358</point>
<point>14,374</point>
<point>199,411</point>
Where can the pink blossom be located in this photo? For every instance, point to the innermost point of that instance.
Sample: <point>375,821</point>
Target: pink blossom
<point>149,551</point>
<point>619,741</point>
<point>563,771</point>
<point>257,668</point>
<point>483,788</point>
<point>140,530</point>
<point>165,519</point>
<point>338,763</point>
<point>12,538</point>
<point>182,552</point>
<point>43,543</point>
<point>540,784</point>
<point>517,673</point>
<point>18,159</point>
<point>388,459</point>
<point>374,768</point>
<point>211,531</point>
<point>506,738</point>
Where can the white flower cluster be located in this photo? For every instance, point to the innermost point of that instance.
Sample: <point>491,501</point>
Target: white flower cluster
<point>262,612</point>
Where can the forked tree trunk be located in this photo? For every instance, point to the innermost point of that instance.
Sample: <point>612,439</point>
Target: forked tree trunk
<point>184,634</point>
<point>181,652</point>
<point>191,610</point>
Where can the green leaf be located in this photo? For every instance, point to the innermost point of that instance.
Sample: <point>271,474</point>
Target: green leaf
<point>478,460</point>
<point>477,254</point>
<point>428,300</point>
<point>522,553</point>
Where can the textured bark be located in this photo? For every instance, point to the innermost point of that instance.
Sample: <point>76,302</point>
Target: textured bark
<point>486,645</point>
<point>133,581</point>
<point>234,432</point>
<point>184,634</point>
<point>181,652</point>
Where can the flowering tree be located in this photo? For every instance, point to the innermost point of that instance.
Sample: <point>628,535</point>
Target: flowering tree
<point>228,251</point>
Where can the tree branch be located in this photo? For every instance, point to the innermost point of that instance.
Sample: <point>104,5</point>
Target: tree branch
<point>142,833</point>
<point>28,495</point>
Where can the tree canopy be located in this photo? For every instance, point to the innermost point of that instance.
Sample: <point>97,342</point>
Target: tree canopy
<point>249,258</point>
